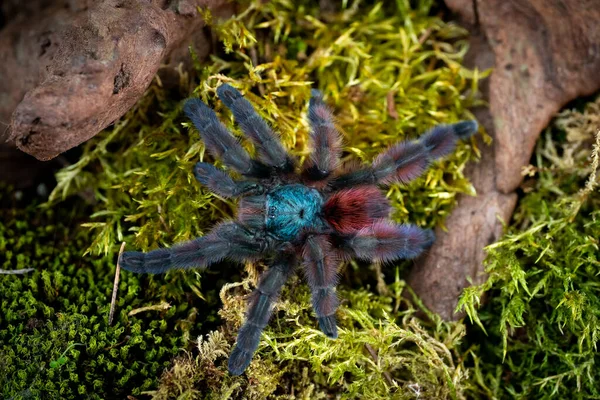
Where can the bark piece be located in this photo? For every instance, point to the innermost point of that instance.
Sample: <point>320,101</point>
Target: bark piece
<point>545,53</point>
<point>26,44</point>
<point>93,65</point>
<point>457,255</point>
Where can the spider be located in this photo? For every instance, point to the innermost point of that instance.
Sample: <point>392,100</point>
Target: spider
<point>317,217</point>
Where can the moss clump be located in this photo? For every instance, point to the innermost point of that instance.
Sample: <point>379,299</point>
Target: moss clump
<point>544,304</point>
<point>383,352</point>
<point>55,341</point>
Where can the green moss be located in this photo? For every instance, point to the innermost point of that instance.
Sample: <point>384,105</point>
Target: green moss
<point>55,340</point>
<point>544,303</point>
<point>383,352</point>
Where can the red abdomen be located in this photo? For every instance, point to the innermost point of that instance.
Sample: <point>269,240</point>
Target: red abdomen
<point>350,210</point>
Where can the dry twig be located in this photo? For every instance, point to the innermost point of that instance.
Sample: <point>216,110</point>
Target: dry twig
<point>115,287</point>
<point>163,305</point>
<point>375,358</point>
<point>16,271</point>
<point>391,105</point>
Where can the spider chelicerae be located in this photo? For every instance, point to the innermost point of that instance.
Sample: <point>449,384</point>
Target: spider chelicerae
<point>315,218</point>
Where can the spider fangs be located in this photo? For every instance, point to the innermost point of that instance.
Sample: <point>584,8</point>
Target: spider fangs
<point>316,218</point>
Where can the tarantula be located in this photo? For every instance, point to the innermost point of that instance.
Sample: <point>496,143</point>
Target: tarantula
<point>317,217</point>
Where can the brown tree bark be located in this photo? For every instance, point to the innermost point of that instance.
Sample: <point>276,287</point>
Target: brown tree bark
<point>86,65</point>
<point>545,53</point>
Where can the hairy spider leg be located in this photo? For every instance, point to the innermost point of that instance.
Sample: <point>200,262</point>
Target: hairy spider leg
<point>441,140</point>
<point>220,142</point>
<point>320,267</point>
<point>407,160</point>
<point>260,308</point>
<point>227,240</point>
<point>219,182</point>
<point>325,140</point>
<point>385,241</point>
<point>268,145</point>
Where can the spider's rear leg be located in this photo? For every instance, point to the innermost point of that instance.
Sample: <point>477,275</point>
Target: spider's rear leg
<point>221,183</point>
<point>384,241</point>
<point>260,308</point>
<point>326,142</point>
<point>407,160</point>
<point>268,145</point>
<point>226,241</point>
<point>320,267</point>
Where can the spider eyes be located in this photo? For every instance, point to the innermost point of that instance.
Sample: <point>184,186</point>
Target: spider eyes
<point>272,211</point>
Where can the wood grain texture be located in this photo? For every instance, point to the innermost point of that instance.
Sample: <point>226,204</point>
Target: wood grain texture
<point>86,66</point>
<point>457,256</point>
<point>545,53</point>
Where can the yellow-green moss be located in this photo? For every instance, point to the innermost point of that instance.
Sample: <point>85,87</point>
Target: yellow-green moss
<point>141,170</point>
<point>383,352</point>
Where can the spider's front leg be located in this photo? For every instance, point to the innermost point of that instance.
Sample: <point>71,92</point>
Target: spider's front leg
<point>384,241</point>
<point>226,241</point>
<point>268,145</point>
<point>260,308</point>
<point>221,183</point>
<point>220,142</point>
